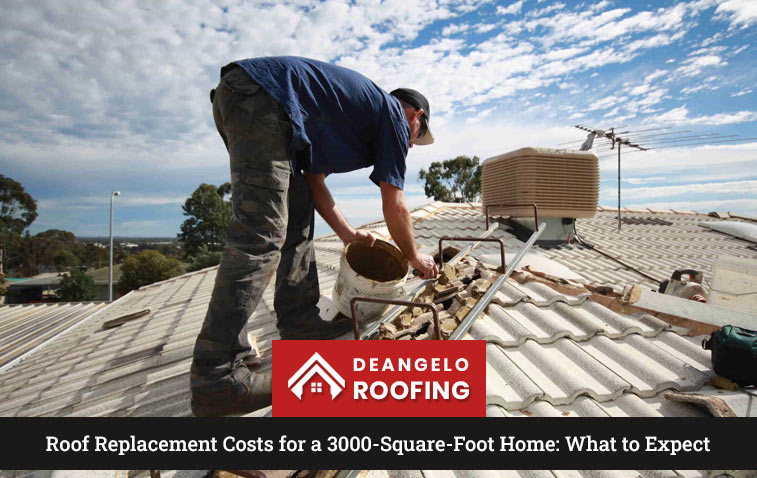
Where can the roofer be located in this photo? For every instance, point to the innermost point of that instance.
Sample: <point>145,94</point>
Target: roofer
<point>287,122</point>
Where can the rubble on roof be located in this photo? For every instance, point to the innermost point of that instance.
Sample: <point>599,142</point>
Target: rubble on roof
<point>453,295</point>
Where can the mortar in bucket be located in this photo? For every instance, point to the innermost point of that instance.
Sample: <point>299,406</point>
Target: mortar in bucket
<point>379,271</point>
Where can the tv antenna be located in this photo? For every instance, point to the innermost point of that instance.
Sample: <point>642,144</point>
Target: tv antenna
<point>653,138</point>
<point>615,138</point>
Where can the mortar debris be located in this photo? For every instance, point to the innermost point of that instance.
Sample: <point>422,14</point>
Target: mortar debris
<point>454,294</point>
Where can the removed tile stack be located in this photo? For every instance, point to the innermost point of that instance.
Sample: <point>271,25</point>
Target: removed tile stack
<point>454,294</point>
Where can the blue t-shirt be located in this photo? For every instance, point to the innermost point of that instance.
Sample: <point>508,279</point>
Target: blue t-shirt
<point>341,120</point>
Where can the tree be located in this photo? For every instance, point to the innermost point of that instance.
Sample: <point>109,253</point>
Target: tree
<point>17,211</point>
<point>145,268</point>
<point>17,208</point>
<point>454,180</point>
<point>76,286</point>
<point>66,259</point>
<point>47,251</point>
<point>202,259</point>
<point>209,216</point>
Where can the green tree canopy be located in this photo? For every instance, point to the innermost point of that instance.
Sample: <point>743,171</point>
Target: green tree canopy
<point>145,268</point>
<point>203,258</point>
<point>209,215</point>
<point>76,286</point>
<point>17,208</point>
<point>17,211</point>
<point>453,180</point>
<point>49,250</point>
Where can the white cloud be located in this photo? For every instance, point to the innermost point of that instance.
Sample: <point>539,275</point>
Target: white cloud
<point>743,92</point>
<point>644,180</point>
<point>692,163</point>
<point>654,41</point>
<point>694,66</point>
<point>455,28</point>
<point>125,199</point>
<point>606,102</point>
<point>546,10</point>
<point>680,116</point>
<point>694,89</point>
<point>480,116</point>
<point>485,27</point>
<point>713,50</point>
<point>512,9</point>
<point>701,190</point>
<point>740,13</point>
<point>739,50</point>
<point>563,53</point>
<point>598,7</point>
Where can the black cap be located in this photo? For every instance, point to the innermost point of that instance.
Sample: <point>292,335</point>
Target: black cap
<point>417,101</point>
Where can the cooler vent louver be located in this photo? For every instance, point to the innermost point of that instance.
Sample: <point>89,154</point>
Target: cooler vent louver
<point>562,183</point>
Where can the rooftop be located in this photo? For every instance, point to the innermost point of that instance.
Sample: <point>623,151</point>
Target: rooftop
<point>25,327</point>
<point>548,352</point>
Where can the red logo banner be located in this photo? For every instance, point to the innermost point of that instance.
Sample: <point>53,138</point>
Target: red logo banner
<point>379,378</point>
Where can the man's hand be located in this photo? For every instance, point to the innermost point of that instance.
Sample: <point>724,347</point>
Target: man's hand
<point>400,227</point>
<point>426,266</point>
<point>360,235</point>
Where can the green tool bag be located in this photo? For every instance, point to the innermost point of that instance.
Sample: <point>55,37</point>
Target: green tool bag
<point>734,354</point>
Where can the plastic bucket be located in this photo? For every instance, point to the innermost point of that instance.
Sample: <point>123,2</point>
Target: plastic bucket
<point>364,271</point>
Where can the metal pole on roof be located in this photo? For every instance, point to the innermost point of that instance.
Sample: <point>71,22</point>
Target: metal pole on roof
<point>618,186</point>
<point>110,258</point>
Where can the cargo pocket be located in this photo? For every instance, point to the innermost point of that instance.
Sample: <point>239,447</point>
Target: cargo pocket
<point>276,177</point>
<point>241,102</point>
<point>260,198</point>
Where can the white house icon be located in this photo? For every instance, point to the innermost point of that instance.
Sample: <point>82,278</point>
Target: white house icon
<point>316,365</point>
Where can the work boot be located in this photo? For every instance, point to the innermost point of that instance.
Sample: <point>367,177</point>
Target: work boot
<point>316,329</point>
<point>252,361</point>
<point>246,392</point>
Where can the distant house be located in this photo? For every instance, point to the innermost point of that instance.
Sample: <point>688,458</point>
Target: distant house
<point>42,288</point>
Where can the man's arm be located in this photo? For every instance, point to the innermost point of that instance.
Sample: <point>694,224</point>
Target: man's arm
<point>397,217</point>
<point>326,206</point>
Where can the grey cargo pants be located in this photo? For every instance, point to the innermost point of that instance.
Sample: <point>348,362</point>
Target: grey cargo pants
<point>271,231</point>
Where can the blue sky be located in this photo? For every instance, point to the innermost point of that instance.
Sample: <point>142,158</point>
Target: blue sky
<point>102,96</point>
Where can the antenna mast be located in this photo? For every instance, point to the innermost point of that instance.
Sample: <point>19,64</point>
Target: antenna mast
<point>614,138</point>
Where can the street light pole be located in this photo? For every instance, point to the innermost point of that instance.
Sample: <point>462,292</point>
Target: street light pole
<point>110,261</point>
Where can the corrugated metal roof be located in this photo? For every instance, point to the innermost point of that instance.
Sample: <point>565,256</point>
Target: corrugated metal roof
<point>545,351</point>
<point>23,327</point>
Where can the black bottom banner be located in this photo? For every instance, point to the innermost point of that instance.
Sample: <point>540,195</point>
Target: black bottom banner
<point>378,443</point>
